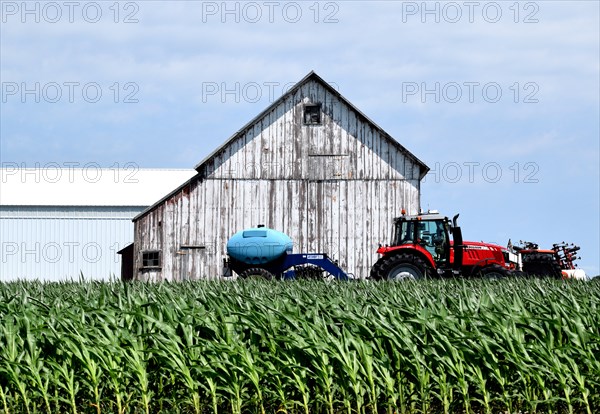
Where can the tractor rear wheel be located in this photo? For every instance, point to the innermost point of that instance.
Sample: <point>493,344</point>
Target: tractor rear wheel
<point>257,273</point>
<point>400,267</point>
<point>542,265</point>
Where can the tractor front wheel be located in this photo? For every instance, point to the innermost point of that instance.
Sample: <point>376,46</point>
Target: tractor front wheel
<point>400,267</point>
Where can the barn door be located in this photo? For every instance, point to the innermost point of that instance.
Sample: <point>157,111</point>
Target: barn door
<point>327,216</point>
<point>192,262</point>
<point>314,217</point>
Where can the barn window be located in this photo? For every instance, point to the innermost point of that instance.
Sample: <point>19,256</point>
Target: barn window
<point>312,114</point>
<point>151,258</point>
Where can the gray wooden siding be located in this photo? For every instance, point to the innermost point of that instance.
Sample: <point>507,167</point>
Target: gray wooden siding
<point>345,219</point>
<point>279,146</point>
<point>333,188</point>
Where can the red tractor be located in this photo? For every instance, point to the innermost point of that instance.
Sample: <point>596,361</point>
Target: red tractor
<point>430,245</point>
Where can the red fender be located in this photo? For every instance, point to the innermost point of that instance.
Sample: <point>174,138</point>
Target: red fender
<point>383,250</point>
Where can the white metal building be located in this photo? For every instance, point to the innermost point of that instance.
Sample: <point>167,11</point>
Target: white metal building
<point>60,223</point>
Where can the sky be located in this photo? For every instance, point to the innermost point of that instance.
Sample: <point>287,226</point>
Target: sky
<point>500,99</point>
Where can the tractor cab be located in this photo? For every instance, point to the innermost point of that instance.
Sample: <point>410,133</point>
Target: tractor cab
<point>430,231</point>
<point>435,235</point>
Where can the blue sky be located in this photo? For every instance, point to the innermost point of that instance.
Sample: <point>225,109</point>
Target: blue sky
<point>500,99</point>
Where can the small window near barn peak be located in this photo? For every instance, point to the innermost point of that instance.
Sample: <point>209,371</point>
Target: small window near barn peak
<point>312,114</point>
<point>151,259</point>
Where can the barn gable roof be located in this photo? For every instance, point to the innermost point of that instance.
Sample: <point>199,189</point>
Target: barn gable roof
<point>312,76</point>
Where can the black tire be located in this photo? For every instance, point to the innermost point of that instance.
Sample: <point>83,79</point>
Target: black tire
<point>257,273</point>
<point>517,273</point>
<point>400,266</point>
<point>309,272</point>
<point>541,265</point>
<point>493,272</point>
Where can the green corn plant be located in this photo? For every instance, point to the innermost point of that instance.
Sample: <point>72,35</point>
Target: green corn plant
<point>384,373</point>
<point>398,362</point>
<point>173,357</point>
<point>252,371</point>
<point>300,376</point>
<point>110,355</point>
<point>445,390</point>
<point>231,384</point>
<point>136,360</point>
<point>367,369</point>
<point>350,366</point>
<point>281,396</point>
<point>211,386</point>
<point>12,361</point>
<point>481,382</point>
<point>323,368</point>
<point>65,377</point>
<point>4,402</point>
<point>93,376</point>
<point>112,362</point>
<point>40,378</point>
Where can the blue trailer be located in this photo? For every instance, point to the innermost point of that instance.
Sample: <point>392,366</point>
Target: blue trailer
<point>267,253</point>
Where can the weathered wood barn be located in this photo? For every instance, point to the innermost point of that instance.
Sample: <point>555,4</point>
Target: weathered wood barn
<point>310,165</point>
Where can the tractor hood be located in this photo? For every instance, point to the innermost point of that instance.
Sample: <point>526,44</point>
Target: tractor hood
<point>481,246</point>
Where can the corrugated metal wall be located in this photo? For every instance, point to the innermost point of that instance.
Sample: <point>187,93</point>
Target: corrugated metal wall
<point>59,243</point>
<point>334,188</point>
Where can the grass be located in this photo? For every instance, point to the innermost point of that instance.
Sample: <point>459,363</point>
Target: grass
<point>300,347</point>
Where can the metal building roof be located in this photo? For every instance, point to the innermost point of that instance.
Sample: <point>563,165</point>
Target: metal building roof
<point>87,186</point>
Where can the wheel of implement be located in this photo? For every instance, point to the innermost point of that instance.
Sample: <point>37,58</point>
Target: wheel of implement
<point>257,273</point>
<point>541,265</point>
<point>309,272</point>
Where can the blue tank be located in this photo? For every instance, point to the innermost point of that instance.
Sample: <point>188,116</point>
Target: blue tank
<point>258,245</point>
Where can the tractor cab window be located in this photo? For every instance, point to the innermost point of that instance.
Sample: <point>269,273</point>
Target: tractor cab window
<point>433,237</point>
<point>404,233</point>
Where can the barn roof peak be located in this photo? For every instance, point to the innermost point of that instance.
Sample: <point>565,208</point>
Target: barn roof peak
<point>313,76</point>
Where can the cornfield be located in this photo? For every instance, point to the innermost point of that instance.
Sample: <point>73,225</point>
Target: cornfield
<point>458,346</point>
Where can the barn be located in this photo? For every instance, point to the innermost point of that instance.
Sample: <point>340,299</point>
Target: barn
<point>310,165</point>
